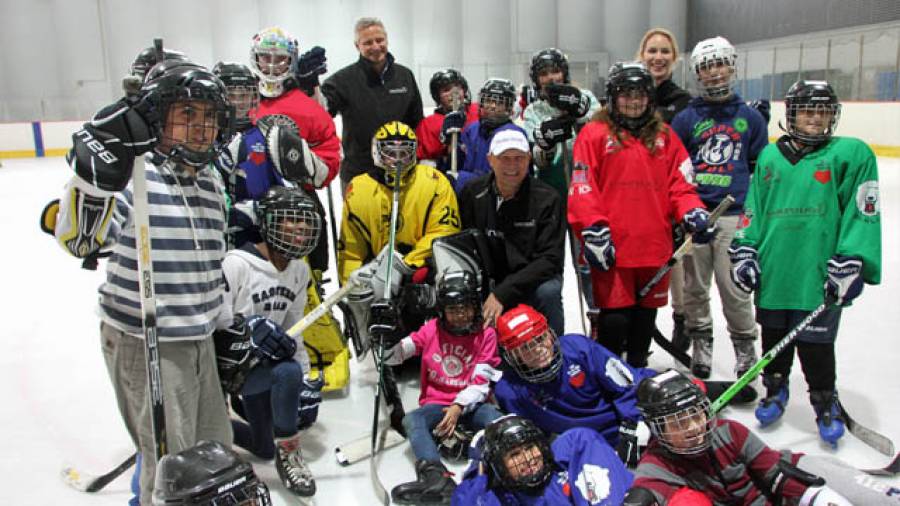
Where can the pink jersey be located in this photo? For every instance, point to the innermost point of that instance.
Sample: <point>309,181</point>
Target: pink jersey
<point>448,362</point>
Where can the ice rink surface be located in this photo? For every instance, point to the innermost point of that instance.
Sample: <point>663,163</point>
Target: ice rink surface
<point>60,407</point>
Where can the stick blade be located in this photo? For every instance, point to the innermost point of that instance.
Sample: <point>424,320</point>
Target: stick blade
<point>76,479</point>
<point>866,435</point>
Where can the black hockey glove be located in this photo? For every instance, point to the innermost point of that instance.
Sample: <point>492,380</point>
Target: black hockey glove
<point>567,98</point>
<point>453,124</point>
<point>291,156</point>
<point>628,444</point>
<point>310,398</point>
<point>745,271</point>
<point>312,64</point>
<point>269,341</point>
<point>696,221</point>
<point>104,149</point>
<point>234,356</point>
<point>763,106</point>
<point>383,322</point>
<point>844,282</point>
<point>553,131</point>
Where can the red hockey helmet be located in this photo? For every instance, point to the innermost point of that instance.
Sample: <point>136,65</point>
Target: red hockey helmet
<point>528,344</point>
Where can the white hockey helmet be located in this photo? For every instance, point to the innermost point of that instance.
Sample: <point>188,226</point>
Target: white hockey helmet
<point>273,59</point>
<point>717,57</point>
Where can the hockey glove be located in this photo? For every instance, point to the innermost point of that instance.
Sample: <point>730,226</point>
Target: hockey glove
<point>312,63</point>
<point>567,98</point>
<point>763,107</point>
<point>844,282</point>
<point>454,121</point>
<point>269,340</point>
<point>292,157</point>
<point>627,448</point>
<point>696,221</point>
<point>383,321</point>
<point>599,250</point>
<point>552,132</point>
<point>745,270</point>
<point>104,149</point>
<point>234,357</point>
<point>310,398</point>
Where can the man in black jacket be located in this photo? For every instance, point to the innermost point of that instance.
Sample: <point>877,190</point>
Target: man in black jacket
<point>526,230</point>
<point>369,93</point>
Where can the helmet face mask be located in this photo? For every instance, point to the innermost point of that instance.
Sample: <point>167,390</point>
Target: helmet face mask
<point>630,93</point>
<point>444,84</point>
<point>714,61</point>
<point>289,222</point>
<point>495,102</point>
<point>243,93</point>
<point>393,148</point>
<point>812,111</point>
<point>546,62</point>
<point>677,412</point>
<point>518,454</point>
<point>273,57</point>
<point>529,345</point>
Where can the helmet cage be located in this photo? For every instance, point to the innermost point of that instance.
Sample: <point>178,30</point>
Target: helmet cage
<point>550,58</point>
<point>513,438</point>
<point>445,78</point>
<point>389,154</point>
<point>715,55</point>
<point>535,350</point>
<point>457,292</point>
<point>811,105</point>
<point>273,56</point>
<point>289,224</point>
<point>626,78</point>
<point>685,431</point>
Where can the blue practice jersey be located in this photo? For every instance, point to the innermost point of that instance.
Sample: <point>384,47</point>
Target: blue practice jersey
<point>594,389</point>
<point>474,149</point>
<point>588,473</point>
<point>723,140</point>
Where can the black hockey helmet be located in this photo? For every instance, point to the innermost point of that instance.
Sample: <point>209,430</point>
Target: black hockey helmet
<point>175,80</point>
<point>500,92</point>
<point>548,58</point>
<point>513,436</point>
<point>677,411</point>
<point>147,58</point>
<point>243,94</point>
<point>448,77</point>
<point>208,474</point>
<point>459,288</point>
<point>288,221</point>
<point>811,96</point>
<point>625,77</point>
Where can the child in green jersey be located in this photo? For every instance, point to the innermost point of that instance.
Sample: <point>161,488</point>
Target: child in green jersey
<point>811,219</point>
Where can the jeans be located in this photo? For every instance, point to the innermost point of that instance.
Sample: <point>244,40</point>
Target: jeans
<point>547,298</point>
<point>271,398</point>
<point>420,422</point>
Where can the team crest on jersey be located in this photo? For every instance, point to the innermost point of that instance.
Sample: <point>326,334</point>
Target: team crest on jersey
<point>257,153</point>
<point>660,143</point>
<point>867,199</point>
<point>612,145</point>
<point>619,373</point>
<point>451,364</point>
<point>579,174</point>
<point>576,376</point>
<point>593,483</point>
<point>562,479</point>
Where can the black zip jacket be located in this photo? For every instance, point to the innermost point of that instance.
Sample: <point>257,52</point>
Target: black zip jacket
<point>366,100</point>
<point>526,234</point>
<point>670,100</point>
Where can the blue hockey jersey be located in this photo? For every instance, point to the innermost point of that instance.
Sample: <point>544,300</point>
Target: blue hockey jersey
<point>722,139</point>
<point>594,389</point>
<point>589,473</point>
<point>474,148</point>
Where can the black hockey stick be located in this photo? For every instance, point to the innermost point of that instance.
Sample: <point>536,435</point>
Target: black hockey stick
<point>89,483</point>
<point>573,244</point>
<point>889,470</point>
<point>867,435</point>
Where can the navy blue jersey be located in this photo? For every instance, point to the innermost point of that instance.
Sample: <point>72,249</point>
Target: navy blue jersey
<point>589,473</point>
<point>723,141</point>
<point>594,389</point>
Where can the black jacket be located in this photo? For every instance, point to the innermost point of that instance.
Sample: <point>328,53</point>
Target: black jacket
<point>526,234</point>
<point>366,100</point>
<point>670,100</point>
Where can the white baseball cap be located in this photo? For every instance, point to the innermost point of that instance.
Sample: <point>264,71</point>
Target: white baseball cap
<point>509,139</point>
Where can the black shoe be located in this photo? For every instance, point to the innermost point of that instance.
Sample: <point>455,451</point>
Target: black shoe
<point>433,485</point>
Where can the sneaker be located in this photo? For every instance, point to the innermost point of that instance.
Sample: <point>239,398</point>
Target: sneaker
<point>701,361</point>
<point>292,470</point>
<point>828,415</point>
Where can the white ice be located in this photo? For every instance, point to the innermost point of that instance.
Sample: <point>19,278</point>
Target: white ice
<point>60,407</point>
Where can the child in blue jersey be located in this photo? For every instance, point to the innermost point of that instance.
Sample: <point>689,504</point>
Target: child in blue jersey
<point>518,465</point>
<point>723,136</point>
<point>565,382</point>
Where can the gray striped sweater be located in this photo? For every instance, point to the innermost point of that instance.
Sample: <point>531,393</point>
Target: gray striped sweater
<point>187,225</point>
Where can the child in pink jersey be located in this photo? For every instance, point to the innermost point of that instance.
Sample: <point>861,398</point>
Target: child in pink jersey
<point>451,346</point>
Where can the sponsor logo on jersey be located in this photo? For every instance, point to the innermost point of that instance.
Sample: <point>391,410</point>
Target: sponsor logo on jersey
<point>701,126</point>
<point>397,91</point>
<point>822,175</point>
<point>741,125</point>
<point>593,483</point>
<point>868,199</point>
<point>576,375</point>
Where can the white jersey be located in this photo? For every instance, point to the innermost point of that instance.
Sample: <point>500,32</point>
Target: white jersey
<point>255,287</point>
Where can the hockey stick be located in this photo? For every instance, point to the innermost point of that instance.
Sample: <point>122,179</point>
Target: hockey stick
<point>685,248</point>
<point>148,296</point>
<point>456,103</point>
<point>320,310</point>
<point>352,452</point>
<point>889,470</point>
<point>573,245</point>
<point>866,435</point>
<point>84,482</point>
<point>333,224</point>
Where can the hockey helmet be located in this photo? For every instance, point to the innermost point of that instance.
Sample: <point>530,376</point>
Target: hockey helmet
<point>528,344</point>
<point>816,97</point>
<point>288,221</point>
<point>207,474</point>
<point>716,58</point>
<point>273,59</point>
<point>677,412</point>
<point>517,453</point>
<point>496,100</point>
<point>146,59</point>
<point>242,90</point>
<point>458,292</point>
<point>625,78</point>
<point>550,58</point>
<point>448,77</point>
<point>393,148</point>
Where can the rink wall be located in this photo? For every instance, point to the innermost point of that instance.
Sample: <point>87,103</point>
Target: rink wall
<point>877,123</point>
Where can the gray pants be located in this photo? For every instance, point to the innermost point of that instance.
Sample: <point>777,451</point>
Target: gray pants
<point>676,287</point>
<point>193,401</point>
<point>855,485</point>
<point>699,267</point>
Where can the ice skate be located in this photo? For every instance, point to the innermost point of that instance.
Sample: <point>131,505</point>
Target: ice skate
<point>772,407</point>
<point>828,416</point>
<point>292,470</point>
<point>433,486</point>
<point>701,361</point>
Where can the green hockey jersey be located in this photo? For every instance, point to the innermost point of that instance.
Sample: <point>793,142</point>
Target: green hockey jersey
<point>799,214</point>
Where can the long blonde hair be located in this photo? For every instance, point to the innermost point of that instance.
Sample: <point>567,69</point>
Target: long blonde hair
<point>658,31</point>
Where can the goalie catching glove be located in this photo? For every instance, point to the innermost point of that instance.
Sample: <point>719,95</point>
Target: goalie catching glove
<point>290,153</point>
